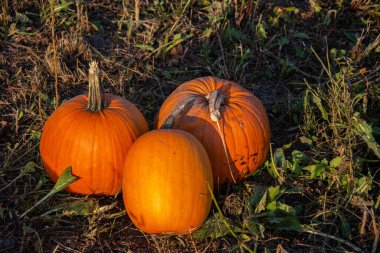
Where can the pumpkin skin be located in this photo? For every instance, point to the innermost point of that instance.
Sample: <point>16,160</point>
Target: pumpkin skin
<point>94,143</point>
<point>165,182</point>
<point>243,122</point>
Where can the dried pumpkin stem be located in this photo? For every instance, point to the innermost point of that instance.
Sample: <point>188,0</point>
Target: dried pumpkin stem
<point>96,95</point>
<point>170,120</point>
<point>215,100</point>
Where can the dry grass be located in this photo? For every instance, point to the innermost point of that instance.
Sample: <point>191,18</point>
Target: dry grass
<point>145,50</point>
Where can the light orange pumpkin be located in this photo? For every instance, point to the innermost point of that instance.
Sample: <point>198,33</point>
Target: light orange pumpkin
<point>93,135</point>
<point>229,121</point>
<point>165,182</point>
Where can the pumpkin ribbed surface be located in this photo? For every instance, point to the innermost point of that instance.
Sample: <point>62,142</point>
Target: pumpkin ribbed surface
<point>165,182</point>
<point>243,122</point>
<point>93,136</point>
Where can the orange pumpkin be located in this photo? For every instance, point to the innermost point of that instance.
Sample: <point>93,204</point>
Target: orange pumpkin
<point>165,182</point>
<point>92,134</point>
<point>230,122</point>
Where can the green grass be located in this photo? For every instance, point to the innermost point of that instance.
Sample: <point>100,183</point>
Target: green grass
<point>314,64</point>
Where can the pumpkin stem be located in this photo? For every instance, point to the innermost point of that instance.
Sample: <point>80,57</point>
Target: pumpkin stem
<point>170,120</point>
<point>215,100</point>
<point>96,95</point>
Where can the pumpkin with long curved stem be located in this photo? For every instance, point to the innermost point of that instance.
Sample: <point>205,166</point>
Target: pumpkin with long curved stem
<point>93,135</point>
<point>229,121</point>
<point>166,181</point>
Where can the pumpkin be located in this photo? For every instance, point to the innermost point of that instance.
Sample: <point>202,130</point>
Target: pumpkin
<point>167,180</point>
<point>230,122</point>
<point>92,133</point>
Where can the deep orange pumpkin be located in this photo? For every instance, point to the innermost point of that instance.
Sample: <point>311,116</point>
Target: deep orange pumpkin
<point>165,182</point>
<point>92,134</point>
<point>243,125</point>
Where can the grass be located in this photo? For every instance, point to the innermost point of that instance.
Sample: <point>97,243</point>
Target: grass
<point>314,64</point>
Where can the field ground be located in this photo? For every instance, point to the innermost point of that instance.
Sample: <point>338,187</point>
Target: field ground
<point>314,64</point>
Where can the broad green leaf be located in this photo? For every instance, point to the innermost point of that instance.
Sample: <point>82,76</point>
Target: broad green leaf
<point>298,159</point>
<point>274,192</point>
<point>63,181</point>
<point>276,206</point>
<point>364,130</point>
<point>286,223</point>
<point>319,169</point>
<point>213,228</point>
<point>335,162</point>
<point>271,170</point>
<point>325,162</point>
<point>257,201</point>
<point>255,227</point>
<point>295,167</point>
<point>316,170</point>
<point>66,179</point>
<point>287,146</point>
<point>300,156</point>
